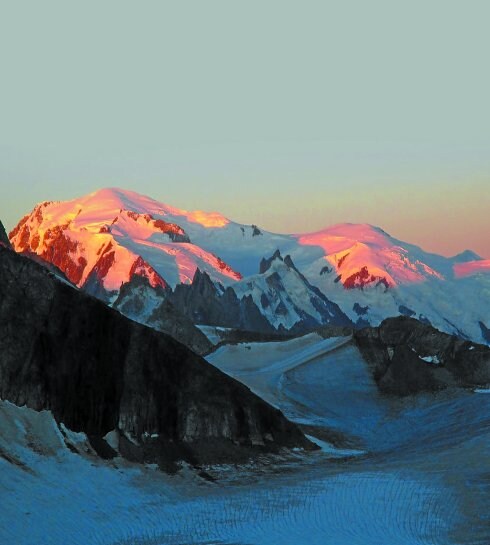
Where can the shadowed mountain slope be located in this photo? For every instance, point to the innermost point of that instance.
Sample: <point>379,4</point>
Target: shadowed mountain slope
<point>407,356</point>
<point>97,371</point>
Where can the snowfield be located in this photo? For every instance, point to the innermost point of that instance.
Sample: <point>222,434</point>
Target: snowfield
<point>65,498</point>
<point>410,472</point>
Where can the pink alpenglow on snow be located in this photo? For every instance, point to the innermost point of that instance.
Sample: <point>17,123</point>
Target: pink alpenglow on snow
<point>363,254</point>
<point>471,267</point>
<point>112,235</point>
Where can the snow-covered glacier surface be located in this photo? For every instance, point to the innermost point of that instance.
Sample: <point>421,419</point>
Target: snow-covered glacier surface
<point>391,473</point>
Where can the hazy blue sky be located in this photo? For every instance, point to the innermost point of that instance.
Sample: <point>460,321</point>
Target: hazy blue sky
<point>292,115</point>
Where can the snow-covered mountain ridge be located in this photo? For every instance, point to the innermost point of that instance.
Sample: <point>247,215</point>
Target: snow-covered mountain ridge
<point>104,239</point>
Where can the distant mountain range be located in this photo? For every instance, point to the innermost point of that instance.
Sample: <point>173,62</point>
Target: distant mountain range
<point>135,253</point>
<point>260,360</point>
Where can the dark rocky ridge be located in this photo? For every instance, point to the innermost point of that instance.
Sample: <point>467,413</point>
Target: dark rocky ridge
<point>97,371</point>
<point>485,331</point>
<point>137,294</point>
<point>395,349</point>
<point>205,303</point>
<point>47,264</point>
<point>265,263</point>
<point>201,302</point>
<point>4,239</point>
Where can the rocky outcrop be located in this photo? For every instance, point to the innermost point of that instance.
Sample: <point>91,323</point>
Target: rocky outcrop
<point>362,278</point>
<point>407,356</point>
<point>172,230</point>
<point>4,239</point>
<point>150,306</point>
<point>265,263</point>
<point>203,302</point>
<point>52,268</point>
<point>287,299</point>
<point>485,332</point>
<point>97,371</point>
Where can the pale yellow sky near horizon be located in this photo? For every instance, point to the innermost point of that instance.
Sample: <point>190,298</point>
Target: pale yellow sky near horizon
<point>290,115</point>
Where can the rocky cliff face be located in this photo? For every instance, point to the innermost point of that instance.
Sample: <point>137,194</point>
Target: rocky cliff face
<point>205,303</point>
<point>408,356</point>
<point>176,312</point>
<point>97,371</point>
<point>150,306</point>
<point>4,239</point>
<point>288,299</point>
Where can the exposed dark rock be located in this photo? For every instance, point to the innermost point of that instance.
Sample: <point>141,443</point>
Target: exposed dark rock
<point>329,331</point>
<point>362,322</point>
<point>139,301</point>
<point>325,270</point>
<point>363,278</point>
<point>264,301</point>
<point>485,331</point>
<point>172,230</point>
<point>237,336</point>
<point>265,263</point>
<point>97,371</point>
<point>360,310</point>
<point>256,231</point>
<point>281,309</point>
<point>168,319</point>
<point>102,448</point>
<point>405,311</point>
<point>274,282</point>
<point>4,239</point>
<point>396,350</point>
<point>289,262</point>
<point>52,268</point>
<point>203,302</point>
<point>342,259</point>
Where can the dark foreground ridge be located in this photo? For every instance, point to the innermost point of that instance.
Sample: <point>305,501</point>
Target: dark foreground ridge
<point>4,239</point>
<point>407,356</point>
<point>98,371</point>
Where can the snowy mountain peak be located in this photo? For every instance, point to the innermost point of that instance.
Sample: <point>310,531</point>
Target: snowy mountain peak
<point>287,298</point>
<point>104,239</point>
<point>101,240</point>
<point>466,255</point>
<point>124,199</point>
<point>364,255</point>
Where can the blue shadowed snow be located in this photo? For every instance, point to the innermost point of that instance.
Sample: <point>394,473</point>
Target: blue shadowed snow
<point>417,475</point>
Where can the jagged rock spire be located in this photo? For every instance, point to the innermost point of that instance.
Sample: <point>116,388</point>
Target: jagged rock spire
<point>4,239</point>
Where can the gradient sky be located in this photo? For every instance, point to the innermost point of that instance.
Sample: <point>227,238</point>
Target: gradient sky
<point>291,115</point>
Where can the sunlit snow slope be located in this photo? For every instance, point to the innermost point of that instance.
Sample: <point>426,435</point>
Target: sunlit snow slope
<point>110,235</point>
<point>102,240</point>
